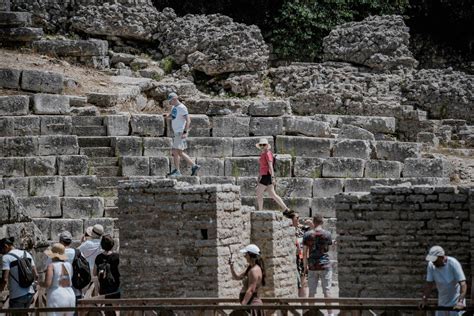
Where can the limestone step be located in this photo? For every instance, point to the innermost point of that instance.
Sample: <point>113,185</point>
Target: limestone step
<point>109,181</point>
<point>87,120</point>
<point>106,171</point>
<point>65,207</point>
<point>97,151</point>
<point>14,19</point>
<point>90,130</point>
<point>52,227</point>
<point>20,34</point>
<point>111,211</point>
<point>94,141</point>
<point>104,161</point>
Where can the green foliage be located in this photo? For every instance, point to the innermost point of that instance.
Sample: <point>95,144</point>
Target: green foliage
<point>167,64</point>
<point>301,25</point>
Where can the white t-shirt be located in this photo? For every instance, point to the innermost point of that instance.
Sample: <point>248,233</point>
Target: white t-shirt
<point>179,112</point>
<point>447,280</point>
<point>90,249</point>
<point>13,286</point>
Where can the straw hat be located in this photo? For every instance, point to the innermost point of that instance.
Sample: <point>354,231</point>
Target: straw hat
<point>56,251</point>
<point>95,231</point>
<point>263,141</point>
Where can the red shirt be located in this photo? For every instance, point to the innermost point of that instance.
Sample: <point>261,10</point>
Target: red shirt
<point>265,159</point>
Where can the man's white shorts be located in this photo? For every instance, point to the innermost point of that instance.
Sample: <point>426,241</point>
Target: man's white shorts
<point>179,142</point>
<point>326,279</point>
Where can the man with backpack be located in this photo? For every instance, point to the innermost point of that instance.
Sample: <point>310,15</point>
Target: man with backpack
<point>19,272</point>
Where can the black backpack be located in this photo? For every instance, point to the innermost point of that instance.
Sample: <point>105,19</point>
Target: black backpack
<point>105,276</point>
<point>81,272</point>
<point>26,276</point>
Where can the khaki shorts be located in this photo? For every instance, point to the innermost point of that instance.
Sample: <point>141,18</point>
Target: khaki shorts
<point>326,279</point>
<point>178,142</point>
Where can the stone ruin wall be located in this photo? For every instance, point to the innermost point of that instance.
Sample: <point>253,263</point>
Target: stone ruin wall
<point>384,237</point>
<point>176,240</point>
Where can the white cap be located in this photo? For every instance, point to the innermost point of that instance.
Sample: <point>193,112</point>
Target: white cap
<point>434,253</point>
<point>251,249</point>
<point>171,96</point>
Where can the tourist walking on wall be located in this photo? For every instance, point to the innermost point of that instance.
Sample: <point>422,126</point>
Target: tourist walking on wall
<point>106,269</point>
<point>266,178</point>
<point>20,297</point>
<point>90,247</point>
<point>180,123</point>
<point>317,265</point>
<point>58,280</point>
<point>447,275</point>
<point>252,278</point>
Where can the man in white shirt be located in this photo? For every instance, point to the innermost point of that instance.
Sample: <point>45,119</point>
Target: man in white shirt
<point>180,122</point>
<point>447,274</point>
<point>90,247</point>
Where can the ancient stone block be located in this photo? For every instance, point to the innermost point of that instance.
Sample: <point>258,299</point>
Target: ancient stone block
<point>74,226</point>
<point>158,146</point>
<point>246,146</point>
<point>348,131</point>
<point>147,125</point>
<point>12,167</point>
<point>230,126</point>
<point>21,146</point>
<point>14,104</point>
<point>241,166</point>
<point>247,185</point>
<point>364,185</point>
<point>283,165</point>
<point>426,167</point>
<point>41,206</point>
<point>26,125</point>
<point>303,146</point>
<point>20,34</point>
<point>294,187</point>
<point>300,125</point>
<point>56,125</point>
<point>159,166</point>
<point>50,104</point>
<point>128,146</point>
<point>217,180</point>
<point>46,186</point>
<point>58,145</point>
<point>14,19</point>
<point>117,125</point>
<point>80,186</point>
<point>327,187</point>
<point>325,206</point>
<point>19,186</point>
<point>42,81</point>
<point>308,167</point>
<point>135,166</point>
<point>268,108</point>
<point>383,169</point>
<point>352,148</point>
<point>6,126</point>
<point>82,207</point>
<point>40,166</point>
<point>374,124</point>
<point>215,147</point>
<point>10,78</point>
<point>300,205</point>
<point>265,126</point>
<point>68,48</point>
<point>343,168</point>
<point>104,100</point>
<point>398,151</point>
<point>427,138</point>
<point>73,165</point>
<point>9,206</point>
<point>211,166</point>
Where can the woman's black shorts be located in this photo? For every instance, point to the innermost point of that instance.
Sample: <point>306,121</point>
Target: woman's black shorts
<point>266,179</point>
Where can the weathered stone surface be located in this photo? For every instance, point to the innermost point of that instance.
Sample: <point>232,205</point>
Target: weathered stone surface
<point>300,205</point>
<point>245,146</point>
<point>265,126</point>
<point>42,206</point>
<point>374,124</point>
<point>117,125</point>
<point>308,167</point>
<point>135,166</point>
<point>208,43</point>
<point>216,147</point>
<point>303,146</point>
<point>80,186</point>
<point>323,188</point>
<point>20,34</point>
<point>425,167</point>
<point>159,166</point>
<point>283,165</point>
<point>300,125</point>
<point>353,132</point>
<point>343,168</point>
<point>19,186</point>
<point>128,146</point>
<point>113,98</point>
<point>10,78</point>
<point>75,48</point>
<point>11,209</point>
<point>217,180</point>
<point>73,165</point>
<point>294,187</point>
<point>46,186</point>
<point>147,125</point>
<point>20,146</point>
<point>26,125</point>
<point>325,206</point>
<point>230,126</point>
<point>352,148</point>
<point>427,138</point>
<point>58,145</point>
<point>268,108</point>
<point>40,166</point>
<point>41,81</point>
<point>14,19</point>
<point>12,167</point>
<point>6,126</point>
<point>379,42</point>
<point>157,146</point>
<point>247,84</point>
<point>82,207</point>
<point>14,104</point>
<point>211,166</point>
<point>383,169</point>
<point>74,226</point>
<point>56,125</point>
<point>398,151</point>
<point>241,167</point>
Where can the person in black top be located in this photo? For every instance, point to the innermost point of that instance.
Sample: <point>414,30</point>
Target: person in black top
<point>106,268</point>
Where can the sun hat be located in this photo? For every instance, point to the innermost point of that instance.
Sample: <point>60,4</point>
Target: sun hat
<point>56,251</point>
<point>251,249</point>
<point>434,253</point>
<point>263,141</point>
<point>65,236</point>
<point>95,231</point>
<point>171,96</point>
